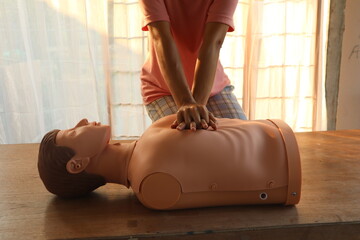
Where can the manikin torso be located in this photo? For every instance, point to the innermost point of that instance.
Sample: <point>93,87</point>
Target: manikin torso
<point>243,162</point>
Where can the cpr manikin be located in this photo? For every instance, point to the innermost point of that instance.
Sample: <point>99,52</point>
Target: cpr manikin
<point>242,162</point>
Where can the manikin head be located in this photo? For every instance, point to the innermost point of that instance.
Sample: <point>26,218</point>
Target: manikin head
<point>65,155</point>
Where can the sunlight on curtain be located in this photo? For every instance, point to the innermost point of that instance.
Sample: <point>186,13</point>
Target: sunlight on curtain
<point>280,64</point>
<point>232,54</point>
<point>51,66</point>
<point>128,44</point>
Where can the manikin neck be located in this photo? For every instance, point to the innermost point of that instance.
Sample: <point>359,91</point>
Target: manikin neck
<point>113,162</point>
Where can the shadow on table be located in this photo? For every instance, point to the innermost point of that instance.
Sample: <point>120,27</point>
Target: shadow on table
<point>75,216</point>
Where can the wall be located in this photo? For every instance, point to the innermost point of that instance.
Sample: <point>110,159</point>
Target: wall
<point>348,112</point>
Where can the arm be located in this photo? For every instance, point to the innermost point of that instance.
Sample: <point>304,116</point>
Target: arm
<point>207,61</point>
<point>170,63</point>
<point>190,114</point>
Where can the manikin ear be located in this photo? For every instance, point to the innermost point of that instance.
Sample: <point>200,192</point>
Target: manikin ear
<point>77,164</point>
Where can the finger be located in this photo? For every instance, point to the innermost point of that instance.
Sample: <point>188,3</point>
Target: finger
<point>181,126</point>
<point>187,116</point>
<point>204,114</point>
<point>193,126</point>
<point>211,117</point>
<point>174,124</point>
<point>212,124</point>
<point>204,124</point>
<point>180,116</point>
<point>195,115</point>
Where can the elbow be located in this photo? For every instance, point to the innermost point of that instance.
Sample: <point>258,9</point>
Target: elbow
<point>160,32</point>
<point>161,41</point>
<point>155,36</point>
<point>210,48</point>
<point>218,44</point>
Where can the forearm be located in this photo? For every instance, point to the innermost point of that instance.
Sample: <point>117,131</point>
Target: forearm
<point>172,69</point>
<point>205,70</point>
<point>207,61</point>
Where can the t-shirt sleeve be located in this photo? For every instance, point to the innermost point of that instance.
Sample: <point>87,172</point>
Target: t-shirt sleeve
<point>153,11</point>
<point>222,11</point>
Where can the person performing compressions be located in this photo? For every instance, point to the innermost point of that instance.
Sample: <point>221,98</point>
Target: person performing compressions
<point>182,73</point>
<point>242,162</point>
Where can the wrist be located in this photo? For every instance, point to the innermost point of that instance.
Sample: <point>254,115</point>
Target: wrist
<point>201,98</point>
<point>186,101</point>
<point>183,98</point>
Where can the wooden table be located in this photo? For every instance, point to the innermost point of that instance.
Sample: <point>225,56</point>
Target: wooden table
<point>329,208</point>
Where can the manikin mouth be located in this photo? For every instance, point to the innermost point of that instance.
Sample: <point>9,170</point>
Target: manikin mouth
<point>95,123</point>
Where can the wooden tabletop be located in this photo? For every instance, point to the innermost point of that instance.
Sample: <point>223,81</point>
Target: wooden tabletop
<point>329,207</point>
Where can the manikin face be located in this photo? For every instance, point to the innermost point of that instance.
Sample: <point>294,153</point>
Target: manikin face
<point>86,139</point>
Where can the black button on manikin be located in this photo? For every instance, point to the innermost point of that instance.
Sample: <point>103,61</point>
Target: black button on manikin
<point>263,196</point>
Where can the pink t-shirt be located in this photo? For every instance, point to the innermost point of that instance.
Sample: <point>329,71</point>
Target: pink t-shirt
<point>187,19</point>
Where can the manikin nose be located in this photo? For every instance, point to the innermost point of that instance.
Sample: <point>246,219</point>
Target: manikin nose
<point>82,122</point>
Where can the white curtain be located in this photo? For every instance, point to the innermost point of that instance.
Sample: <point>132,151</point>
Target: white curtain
<point>63,60</point>
<point>273,60</point>
<point>129,47</point>
<point>51,66</point>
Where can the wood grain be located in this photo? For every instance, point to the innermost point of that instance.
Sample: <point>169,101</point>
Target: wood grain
<point>329,207</point>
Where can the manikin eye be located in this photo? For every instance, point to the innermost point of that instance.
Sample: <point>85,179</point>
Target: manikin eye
<point>72,133</point>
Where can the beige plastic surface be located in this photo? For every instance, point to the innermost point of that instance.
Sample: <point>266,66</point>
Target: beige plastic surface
<point>232,165</point>
<point>160,191</point>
